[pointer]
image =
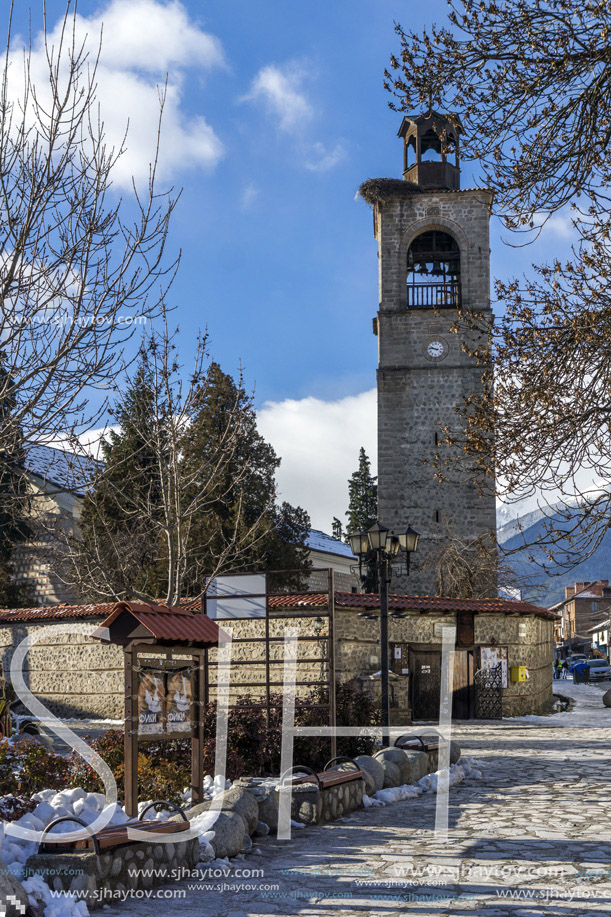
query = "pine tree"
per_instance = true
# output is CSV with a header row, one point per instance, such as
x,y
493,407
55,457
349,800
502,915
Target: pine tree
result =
x,y
115,536
363,512
246,492
14,503
363,496
187,490
285,548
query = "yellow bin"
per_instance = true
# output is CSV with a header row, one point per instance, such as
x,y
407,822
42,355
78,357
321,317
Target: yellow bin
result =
x,y
518,672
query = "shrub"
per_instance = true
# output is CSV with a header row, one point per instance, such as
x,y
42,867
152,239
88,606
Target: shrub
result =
x,y
13,807
164,768
109,747
40,768
8,780
28,766
353,708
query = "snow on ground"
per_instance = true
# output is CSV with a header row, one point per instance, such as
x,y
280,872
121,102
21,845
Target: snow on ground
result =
x,y
587,712
15,850
468,768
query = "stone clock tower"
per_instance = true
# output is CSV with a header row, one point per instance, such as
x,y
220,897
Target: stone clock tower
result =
x,y
434,255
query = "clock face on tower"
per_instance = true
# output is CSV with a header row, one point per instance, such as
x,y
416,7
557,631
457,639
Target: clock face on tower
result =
x,y
435,349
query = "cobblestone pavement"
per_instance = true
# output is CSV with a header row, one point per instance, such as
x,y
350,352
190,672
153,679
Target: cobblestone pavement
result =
x,y
533,837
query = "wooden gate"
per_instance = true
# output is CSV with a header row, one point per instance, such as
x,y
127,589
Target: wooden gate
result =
x,y
425,671
463,700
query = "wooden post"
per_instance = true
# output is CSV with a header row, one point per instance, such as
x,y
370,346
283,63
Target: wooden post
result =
x,y
197,734
268,699
131,733
331,654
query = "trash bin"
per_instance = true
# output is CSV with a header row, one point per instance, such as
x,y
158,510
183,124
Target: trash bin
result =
x,y
581,674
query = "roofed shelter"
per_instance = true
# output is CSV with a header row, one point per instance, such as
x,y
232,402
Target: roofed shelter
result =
x,y
166,683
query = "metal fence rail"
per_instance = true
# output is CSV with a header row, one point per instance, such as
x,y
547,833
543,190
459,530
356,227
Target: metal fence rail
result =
x,y
434,295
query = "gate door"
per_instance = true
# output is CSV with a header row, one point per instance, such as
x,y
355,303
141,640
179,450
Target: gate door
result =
x,y
462,698
489,693
426,680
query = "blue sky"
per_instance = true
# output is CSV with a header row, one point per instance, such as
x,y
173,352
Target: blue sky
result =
x,y
276,113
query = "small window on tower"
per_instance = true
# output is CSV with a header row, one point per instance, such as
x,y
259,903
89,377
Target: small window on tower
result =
x,y
437,516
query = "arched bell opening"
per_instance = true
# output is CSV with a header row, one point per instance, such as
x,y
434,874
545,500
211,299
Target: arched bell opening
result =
x,y
431,147
433,271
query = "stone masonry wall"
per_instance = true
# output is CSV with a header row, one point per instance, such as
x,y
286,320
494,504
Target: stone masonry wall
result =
x,y
529,642
72,674
36,560
101,880
75,675
418,396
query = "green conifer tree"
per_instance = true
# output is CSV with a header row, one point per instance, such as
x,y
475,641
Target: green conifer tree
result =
x,y
246,490
363,511
14,503
362,495
115,537
187,489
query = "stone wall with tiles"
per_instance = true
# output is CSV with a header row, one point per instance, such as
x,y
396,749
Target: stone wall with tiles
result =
x,y
75,675
530,642
528,639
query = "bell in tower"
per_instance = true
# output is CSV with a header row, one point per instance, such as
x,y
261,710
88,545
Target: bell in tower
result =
x,y
430,143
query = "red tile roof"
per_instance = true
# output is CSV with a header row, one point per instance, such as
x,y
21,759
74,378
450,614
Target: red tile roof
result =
x,y
176,624
54,612
422,603
411,603
441,603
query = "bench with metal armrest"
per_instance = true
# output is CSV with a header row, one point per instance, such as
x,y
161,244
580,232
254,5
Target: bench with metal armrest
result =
x,y
113,836
337,791
427,743
329,776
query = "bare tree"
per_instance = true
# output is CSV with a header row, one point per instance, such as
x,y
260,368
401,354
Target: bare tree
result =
x,y
141,527
530,82
473,569
80,268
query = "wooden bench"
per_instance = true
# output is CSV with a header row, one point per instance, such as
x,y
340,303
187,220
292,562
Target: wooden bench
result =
x,y
112,837
426,743
328,777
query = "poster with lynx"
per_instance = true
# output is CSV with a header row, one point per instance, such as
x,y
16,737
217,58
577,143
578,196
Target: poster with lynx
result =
x,y
151,702
178,701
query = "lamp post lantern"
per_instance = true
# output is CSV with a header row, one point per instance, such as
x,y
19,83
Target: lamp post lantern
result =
x,y
386,546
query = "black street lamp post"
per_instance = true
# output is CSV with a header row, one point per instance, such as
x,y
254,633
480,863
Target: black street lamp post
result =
x,y
386,546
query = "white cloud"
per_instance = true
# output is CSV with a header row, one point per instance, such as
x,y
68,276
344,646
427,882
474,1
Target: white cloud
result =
x,y
323,159
152,36
561,224
558,224
249,195
280,89
143,41
318,442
